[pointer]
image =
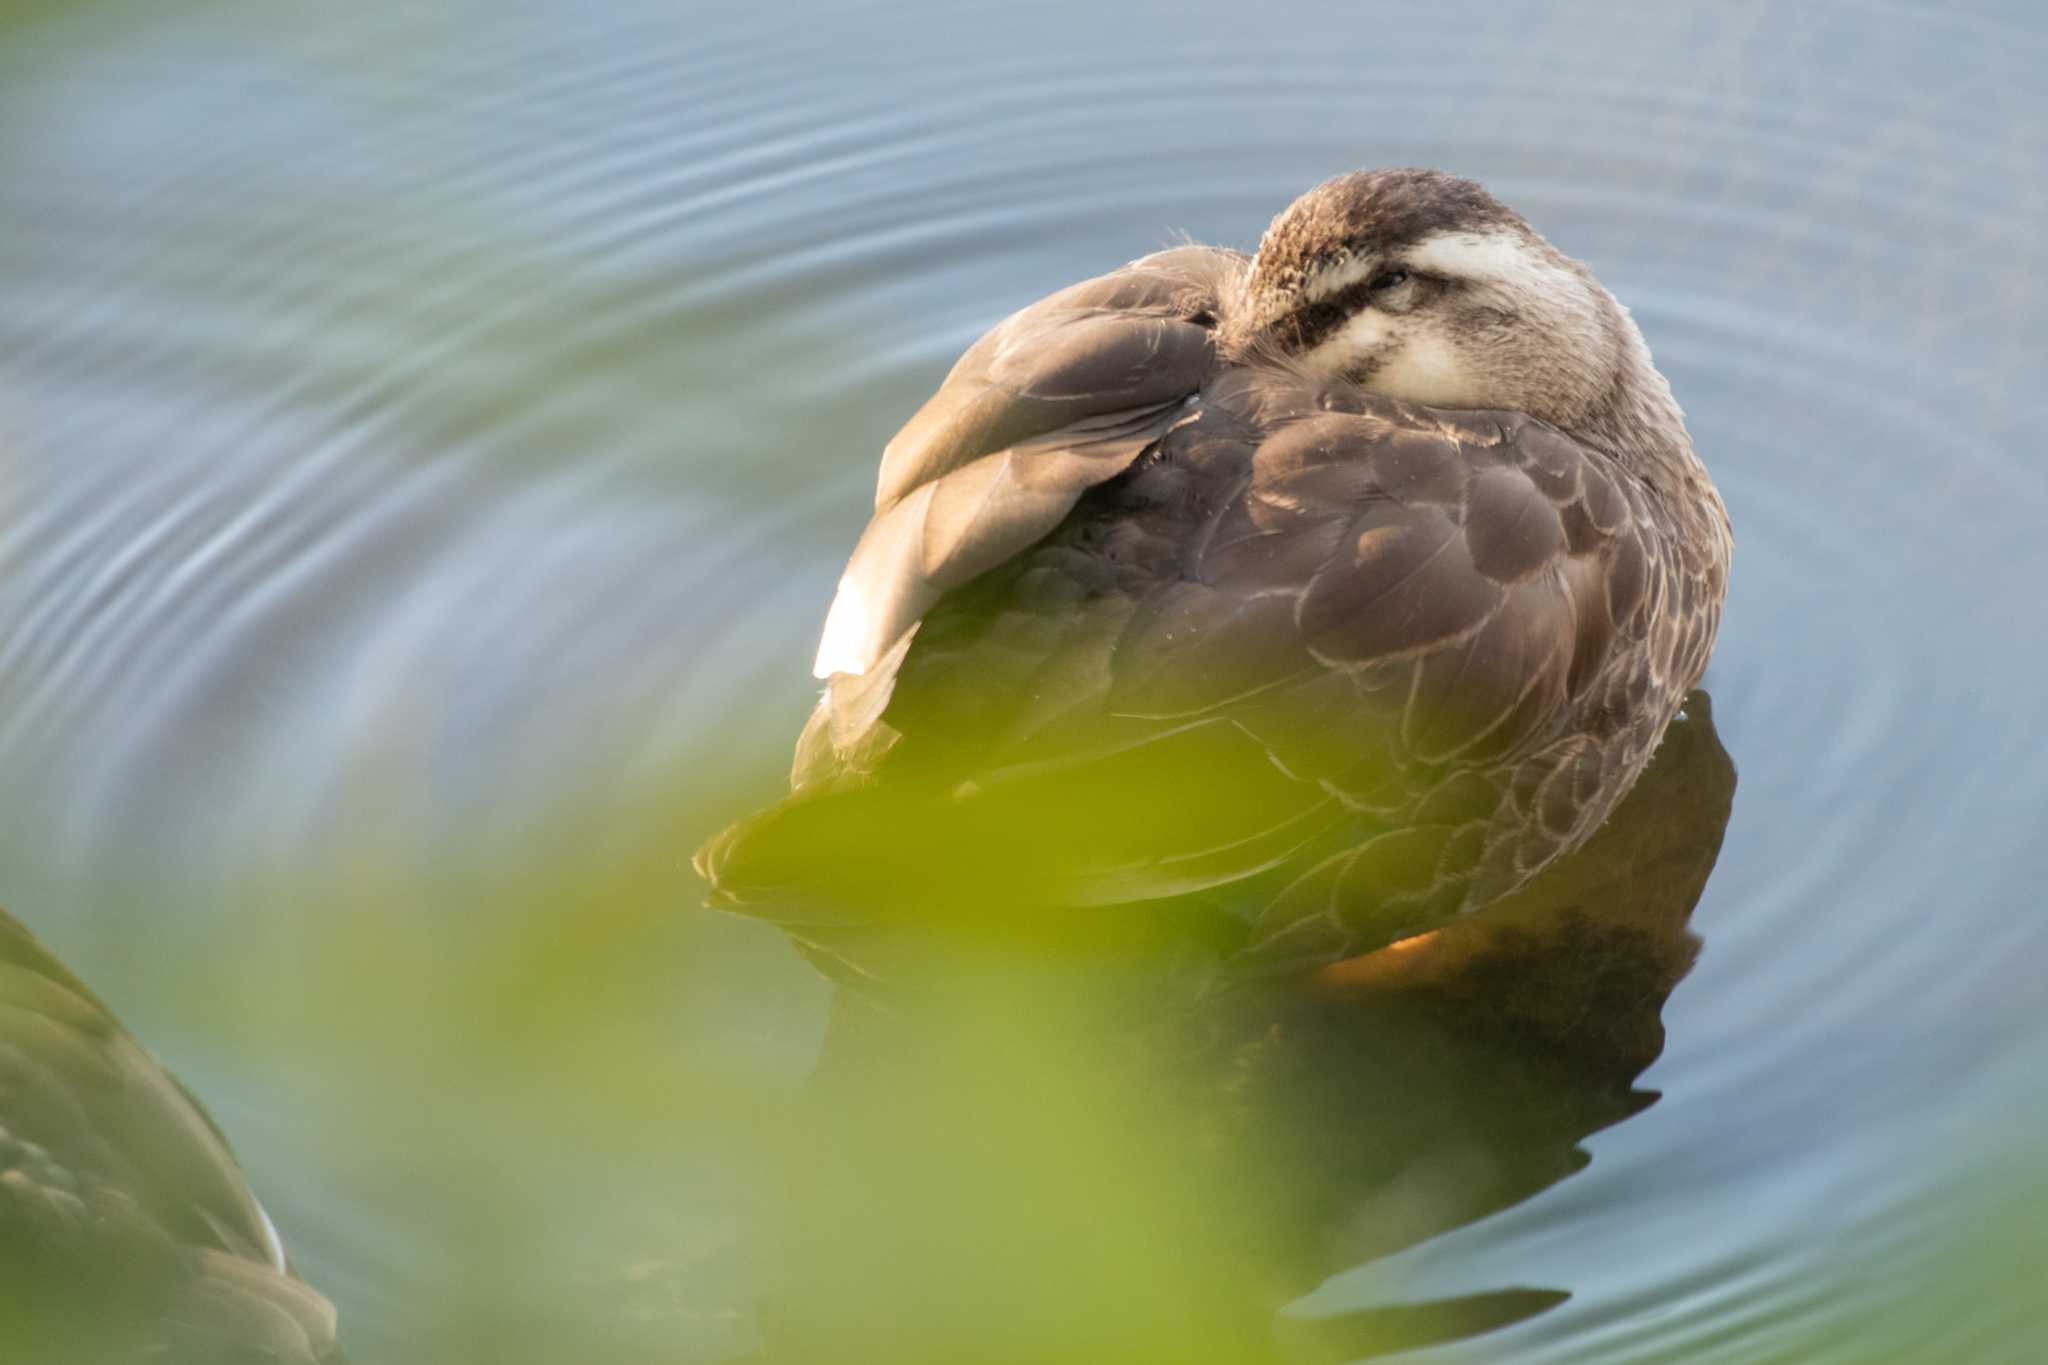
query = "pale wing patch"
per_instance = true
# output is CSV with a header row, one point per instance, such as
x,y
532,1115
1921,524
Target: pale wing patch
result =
x,y
843,647
882,590
274,1244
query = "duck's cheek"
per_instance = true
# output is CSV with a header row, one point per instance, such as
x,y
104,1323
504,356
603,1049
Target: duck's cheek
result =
x,y
1356,348
1424,367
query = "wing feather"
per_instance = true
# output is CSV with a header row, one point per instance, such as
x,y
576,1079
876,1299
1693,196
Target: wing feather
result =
x,y
1053,401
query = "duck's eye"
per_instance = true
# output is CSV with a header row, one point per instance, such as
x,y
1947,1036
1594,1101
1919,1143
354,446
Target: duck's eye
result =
x,y
1386,279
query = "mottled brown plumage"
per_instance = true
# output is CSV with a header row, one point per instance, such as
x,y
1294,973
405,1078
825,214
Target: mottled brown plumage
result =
x,y
127,1230
1169,593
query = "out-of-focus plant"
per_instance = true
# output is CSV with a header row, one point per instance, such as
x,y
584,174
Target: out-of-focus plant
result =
x,y
1043,1147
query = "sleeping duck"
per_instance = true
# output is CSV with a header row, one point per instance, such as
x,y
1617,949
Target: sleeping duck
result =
x,y
1327,594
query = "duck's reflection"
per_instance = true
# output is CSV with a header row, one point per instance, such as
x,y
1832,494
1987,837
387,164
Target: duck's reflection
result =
x,y
1024,1157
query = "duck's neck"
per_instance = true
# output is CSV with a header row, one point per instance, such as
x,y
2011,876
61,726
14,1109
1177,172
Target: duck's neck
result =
x,y
1638,424
1635,419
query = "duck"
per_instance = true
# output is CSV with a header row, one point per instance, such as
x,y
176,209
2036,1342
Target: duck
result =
x,y
128,1230
1328,594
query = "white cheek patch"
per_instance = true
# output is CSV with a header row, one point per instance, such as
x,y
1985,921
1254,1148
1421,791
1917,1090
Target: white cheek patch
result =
x,y
1414,361
1362,334
1426,369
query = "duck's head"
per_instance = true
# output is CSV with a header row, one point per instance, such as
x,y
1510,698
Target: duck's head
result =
x,y
1422,286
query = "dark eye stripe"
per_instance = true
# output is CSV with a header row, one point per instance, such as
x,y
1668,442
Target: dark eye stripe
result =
x,y
1311,324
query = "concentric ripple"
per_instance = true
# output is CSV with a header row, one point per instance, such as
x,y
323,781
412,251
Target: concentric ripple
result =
x,y
442,419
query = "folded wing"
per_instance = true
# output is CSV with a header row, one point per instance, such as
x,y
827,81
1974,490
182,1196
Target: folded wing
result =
x,y
1055,400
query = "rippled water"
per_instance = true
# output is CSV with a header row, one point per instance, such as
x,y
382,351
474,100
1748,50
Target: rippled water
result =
x,y
421,431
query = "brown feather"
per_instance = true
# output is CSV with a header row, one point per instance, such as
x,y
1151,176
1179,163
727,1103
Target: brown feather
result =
x,y
1149,618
